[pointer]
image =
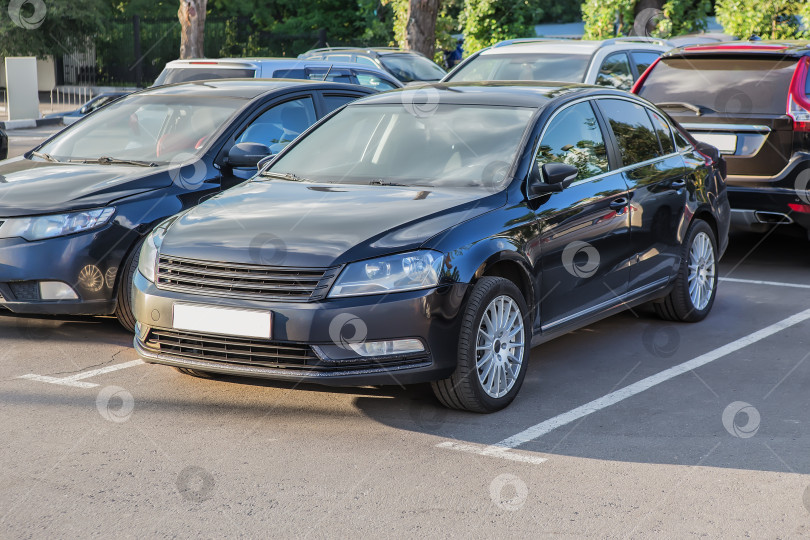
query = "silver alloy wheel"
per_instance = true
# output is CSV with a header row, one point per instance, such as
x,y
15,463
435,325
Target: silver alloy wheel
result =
x,y
499,347
701,271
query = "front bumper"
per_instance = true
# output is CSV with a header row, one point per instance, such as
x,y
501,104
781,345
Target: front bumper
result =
x,y
316,331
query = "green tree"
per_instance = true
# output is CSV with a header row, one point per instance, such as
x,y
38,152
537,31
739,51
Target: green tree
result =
x,y
613,18
768,19
486,22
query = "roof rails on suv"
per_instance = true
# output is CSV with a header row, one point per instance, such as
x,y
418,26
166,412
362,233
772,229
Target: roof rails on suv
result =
x,y
604,43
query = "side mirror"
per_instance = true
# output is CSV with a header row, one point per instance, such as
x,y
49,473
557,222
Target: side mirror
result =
x,y
84,110
247,155
552,178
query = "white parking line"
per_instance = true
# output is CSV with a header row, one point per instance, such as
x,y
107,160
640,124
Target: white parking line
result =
x,y
596,405
758,282
76,380
492,451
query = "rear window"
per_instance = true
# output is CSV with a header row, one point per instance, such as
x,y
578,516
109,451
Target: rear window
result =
x,y
524,67
723,85
178,75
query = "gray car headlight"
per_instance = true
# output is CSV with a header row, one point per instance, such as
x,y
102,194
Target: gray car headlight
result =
x,y
147,261
393,273
51,226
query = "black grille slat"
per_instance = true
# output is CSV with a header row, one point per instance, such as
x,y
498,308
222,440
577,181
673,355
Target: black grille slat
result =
x,y
244,280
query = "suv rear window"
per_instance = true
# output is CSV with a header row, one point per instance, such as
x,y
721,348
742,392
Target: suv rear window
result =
x,y
524,67
725,85
178,75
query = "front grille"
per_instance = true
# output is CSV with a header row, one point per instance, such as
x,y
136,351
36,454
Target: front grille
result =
x,y
256,352
25,291
244,280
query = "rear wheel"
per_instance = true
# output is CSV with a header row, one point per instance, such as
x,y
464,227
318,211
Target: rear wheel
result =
x,y
695,288
123,308
492,349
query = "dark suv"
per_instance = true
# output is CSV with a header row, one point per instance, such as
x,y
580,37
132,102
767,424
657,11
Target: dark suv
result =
x,y
750,100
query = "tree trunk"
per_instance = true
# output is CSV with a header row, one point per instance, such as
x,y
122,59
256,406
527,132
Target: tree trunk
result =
x,y
192,33
420,32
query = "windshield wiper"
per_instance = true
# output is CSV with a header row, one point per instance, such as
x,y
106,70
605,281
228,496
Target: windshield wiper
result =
x,y
284,176
45,156
105,160
697,109
384,183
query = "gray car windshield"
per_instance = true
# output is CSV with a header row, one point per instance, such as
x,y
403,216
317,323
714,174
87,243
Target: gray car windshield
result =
x,y
150,128
436,146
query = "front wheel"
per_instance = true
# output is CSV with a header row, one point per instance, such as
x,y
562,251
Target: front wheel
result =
x,y
492,349
123,308
695,288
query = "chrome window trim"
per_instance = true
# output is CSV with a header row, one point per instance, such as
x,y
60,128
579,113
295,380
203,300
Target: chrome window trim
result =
x,y
750,128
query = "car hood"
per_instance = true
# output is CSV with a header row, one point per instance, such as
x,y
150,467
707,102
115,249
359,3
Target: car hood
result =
x,y
282,223
42,187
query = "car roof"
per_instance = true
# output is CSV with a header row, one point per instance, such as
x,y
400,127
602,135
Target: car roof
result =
x,y
571,46
533,94
244,88
281,62
368,50
752,47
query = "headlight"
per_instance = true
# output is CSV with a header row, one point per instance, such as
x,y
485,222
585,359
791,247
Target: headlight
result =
x,y
42,227
394,273
147,261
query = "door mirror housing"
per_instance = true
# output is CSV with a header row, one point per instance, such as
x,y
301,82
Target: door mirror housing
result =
x,y
551,178
247,155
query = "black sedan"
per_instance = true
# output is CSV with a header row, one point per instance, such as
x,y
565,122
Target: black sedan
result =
x,y
436,234
75,209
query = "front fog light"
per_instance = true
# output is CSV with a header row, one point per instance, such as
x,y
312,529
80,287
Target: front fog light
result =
x,y
388,348
56,290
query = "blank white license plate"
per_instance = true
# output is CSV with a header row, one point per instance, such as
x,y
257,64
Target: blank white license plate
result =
x,y
229,322
727,144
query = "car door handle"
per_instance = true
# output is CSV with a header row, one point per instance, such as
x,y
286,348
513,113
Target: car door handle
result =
x,y
618,204
678,184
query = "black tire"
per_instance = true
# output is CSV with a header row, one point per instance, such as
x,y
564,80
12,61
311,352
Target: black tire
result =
x,y
195,373
123,307
678,305
463,390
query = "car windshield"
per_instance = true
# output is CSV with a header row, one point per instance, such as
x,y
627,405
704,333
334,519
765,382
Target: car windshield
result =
x,y
178,75
151,128
443,146
411,67
524,67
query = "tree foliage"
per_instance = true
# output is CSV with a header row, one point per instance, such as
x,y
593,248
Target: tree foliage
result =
x,y
614,18
768,19
486,22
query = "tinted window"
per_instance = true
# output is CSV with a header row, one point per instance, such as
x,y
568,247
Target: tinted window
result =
x,y
365,60
335,101
177,75
279,125
524,67
574,137
290,74
633,130
664,132
615,72
412,67
644,60
726,85
372,81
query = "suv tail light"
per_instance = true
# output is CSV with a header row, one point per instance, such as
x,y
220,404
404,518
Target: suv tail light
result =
x,y
643,77
798,106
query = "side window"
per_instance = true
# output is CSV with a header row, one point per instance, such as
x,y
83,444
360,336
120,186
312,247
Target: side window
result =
x,y
664,132
680,141
279,125
633,130
339,57
615,72
289,74
574,137
372,81
643,60
335,101
365,60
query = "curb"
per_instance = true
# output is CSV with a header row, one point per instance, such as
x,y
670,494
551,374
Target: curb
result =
x,y
28,124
